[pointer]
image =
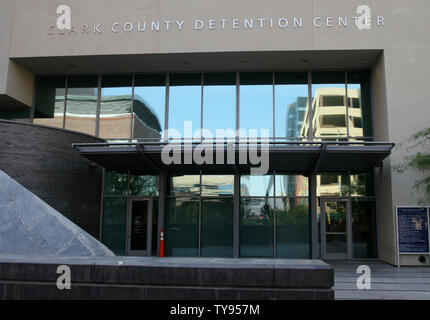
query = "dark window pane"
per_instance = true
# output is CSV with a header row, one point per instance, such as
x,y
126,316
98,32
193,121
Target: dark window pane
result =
x,y
115,107
155,235
293,228
363,229
360,107
16,115
291,186
115,183
49,101
182,227
187,185
143,185
217,227
149,106
256,227
114,224
256,185
217,185
363,184
81,106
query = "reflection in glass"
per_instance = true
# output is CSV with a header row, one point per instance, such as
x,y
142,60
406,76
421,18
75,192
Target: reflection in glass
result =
x,y
291,186
81,106
362,185
335,227
256,227
186,185
115,184
256,185
292,225
363,228
149,106
329,105
182,227
219,103
291,104
359,111
217,228
49,102
143,185
332,185
185,103
217,185
115,107
114,224
256,103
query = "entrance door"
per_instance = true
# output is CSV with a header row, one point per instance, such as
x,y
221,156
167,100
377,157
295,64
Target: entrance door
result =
x,y
138,232
336,229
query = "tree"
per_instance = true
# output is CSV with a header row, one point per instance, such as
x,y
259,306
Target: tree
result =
x,y
419,161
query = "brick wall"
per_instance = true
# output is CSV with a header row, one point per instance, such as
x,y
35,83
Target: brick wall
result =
x,y
42,160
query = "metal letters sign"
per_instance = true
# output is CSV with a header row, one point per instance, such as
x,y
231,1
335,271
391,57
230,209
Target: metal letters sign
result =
x,y
413,229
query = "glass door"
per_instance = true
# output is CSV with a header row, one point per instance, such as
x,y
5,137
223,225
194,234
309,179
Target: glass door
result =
x,y
336,229
138,233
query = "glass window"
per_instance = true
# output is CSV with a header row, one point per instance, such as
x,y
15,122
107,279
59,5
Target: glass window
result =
x,y
186,185
363,228
115,107
256,185
49,101
114,224
149,106
256,227
219,104
291,186
292,228
15,114
185,103
333,185
291,104
143,185
81,109
256,103
182,227
329,104
115,184
362,185
217,228
360,110
217,185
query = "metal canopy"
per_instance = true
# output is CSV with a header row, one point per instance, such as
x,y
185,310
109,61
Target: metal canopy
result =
x,y
288,157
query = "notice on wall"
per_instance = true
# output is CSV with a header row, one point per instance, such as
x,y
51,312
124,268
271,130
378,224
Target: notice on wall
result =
x,y
413,233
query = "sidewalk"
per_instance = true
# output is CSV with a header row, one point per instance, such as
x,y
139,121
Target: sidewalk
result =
x,y
387,282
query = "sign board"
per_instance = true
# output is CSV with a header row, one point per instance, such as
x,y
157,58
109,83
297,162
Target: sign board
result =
x,y
412,231
412,228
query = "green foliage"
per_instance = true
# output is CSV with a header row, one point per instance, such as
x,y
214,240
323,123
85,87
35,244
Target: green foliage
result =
x,y
419,161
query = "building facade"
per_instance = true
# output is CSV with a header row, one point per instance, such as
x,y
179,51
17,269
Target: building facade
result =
x,y
323,89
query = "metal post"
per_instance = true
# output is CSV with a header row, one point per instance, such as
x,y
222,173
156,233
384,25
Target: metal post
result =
x,y
236,216
162,187
314,217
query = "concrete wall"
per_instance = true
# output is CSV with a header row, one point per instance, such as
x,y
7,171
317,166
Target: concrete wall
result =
x,y
15,81
42,160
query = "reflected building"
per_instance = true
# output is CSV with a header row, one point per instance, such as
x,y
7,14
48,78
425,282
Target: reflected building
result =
x,y
115,120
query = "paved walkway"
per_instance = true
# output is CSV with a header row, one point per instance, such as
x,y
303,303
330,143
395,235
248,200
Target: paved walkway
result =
x,y
387,282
